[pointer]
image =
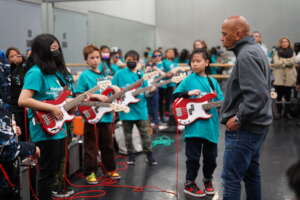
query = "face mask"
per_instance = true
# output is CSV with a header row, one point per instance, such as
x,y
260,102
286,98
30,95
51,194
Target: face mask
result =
x,y
105,56
131,65
55,53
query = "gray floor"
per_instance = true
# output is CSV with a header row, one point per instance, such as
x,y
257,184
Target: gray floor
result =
x,y
280,150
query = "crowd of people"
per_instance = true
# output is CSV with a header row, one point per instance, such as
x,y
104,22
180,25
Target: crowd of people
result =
x,y
27,81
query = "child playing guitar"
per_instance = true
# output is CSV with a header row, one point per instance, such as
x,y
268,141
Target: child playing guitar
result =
x,y
201,136
45,79
101,133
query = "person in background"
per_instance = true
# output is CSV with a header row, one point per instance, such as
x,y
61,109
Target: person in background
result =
x,y
169,64
293,176
285,74
184,57
153,100
116,58
199,44
108,68
258,38
147,55
213,59
10,148
17,67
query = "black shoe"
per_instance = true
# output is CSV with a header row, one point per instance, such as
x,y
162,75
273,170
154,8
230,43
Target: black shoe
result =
x,y
150,160
62,193
131,159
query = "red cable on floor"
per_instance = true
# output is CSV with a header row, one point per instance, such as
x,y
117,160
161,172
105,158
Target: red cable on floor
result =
x,y
6,177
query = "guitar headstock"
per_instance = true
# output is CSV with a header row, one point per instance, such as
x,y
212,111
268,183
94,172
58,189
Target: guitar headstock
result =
x,y
178,78
120,108
104,84
149,75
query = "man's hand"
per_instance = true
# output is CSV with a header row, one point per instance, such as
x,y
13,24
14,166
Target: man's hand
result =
x,y
232,124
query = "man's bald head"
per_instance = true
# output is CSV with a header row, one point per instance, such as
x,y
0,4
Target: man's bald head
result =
x,y
234,29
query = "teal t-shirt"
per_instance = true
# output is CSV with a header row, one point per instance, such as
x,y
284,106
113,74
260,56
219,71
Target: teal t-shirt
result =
x,y
138,111
45,87
88,79
161,66
213,59
169,65
108,71
209,128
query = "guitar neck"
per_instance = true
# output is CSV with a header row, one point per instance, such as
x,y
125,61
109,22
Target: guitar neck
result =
x,y
94,103
142,90
212,105
119,94
77,100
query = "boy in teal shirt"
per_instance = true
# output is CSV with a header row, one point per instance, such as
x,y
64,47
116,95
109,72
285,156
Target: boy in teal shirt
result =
x,y
99,136
201,136
138,112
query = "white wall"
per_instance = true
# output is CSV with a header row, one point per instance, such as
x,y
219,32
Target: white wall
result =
x,y
180,22
137,10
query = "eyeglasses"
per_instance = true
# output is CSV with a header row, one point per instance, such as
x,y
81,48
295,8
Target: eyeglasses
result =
x,y
155,56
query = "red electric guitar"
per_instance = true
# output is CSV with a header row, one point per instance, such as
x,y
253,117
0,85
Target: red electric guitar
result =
x,y
186,111
49,123
93,114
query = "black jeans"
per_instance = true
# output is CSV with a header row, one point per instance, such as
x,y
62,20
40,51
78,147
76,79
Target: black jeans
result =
x,y
52,154
193,149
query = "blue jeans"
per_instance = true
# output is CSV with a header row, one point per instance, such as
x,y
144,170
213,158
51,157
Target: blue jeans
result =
x,y
241,163
153,107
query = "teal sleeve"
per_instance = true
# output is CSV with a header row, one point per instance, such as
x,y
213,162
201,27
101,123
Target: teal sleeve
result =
x,y
33,80
219,91
181,87
81,84
166,66
115,81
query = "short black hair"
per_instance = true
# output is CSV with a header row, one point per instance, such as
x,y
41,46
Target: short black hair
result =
x,y
293,175
132,53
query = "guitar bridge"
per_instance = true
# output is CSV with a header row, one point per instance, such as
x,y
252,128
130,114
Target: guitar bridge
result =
x,y
179,112
46,120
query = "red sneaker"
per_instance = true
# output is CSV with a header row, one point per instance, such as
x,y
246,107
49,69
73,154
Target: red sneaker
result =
x,y
192,189
209,188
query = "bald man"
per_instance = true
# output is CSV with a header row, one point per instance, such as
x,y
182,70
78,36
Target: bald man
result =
x,y
246,111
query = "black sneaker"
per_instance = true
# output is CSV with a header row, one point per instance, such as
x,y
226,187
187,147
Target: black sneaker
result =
x,y
131,159
62,193
209,188
150,160
191,189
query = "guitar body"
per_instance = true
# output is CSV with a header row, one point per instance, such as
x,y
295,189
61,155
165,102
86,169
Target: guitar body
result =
x,y
93,114
186,111
47,121
128,98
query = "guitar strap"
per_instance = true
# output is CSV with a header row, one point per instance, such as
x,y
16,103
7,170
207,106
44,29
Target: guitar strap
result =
x,y
211,84
60,81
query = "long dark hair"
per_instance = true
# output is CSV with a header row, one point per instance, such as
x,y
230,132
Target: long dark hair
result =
x,y
43,58
184,56
204,54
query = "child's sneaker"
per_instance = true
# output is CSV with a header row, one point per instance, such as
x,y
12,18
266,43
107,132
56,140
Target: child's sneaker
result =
x,y
113,175
62,193
150,160
209,188
192,190
131,159
91,179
